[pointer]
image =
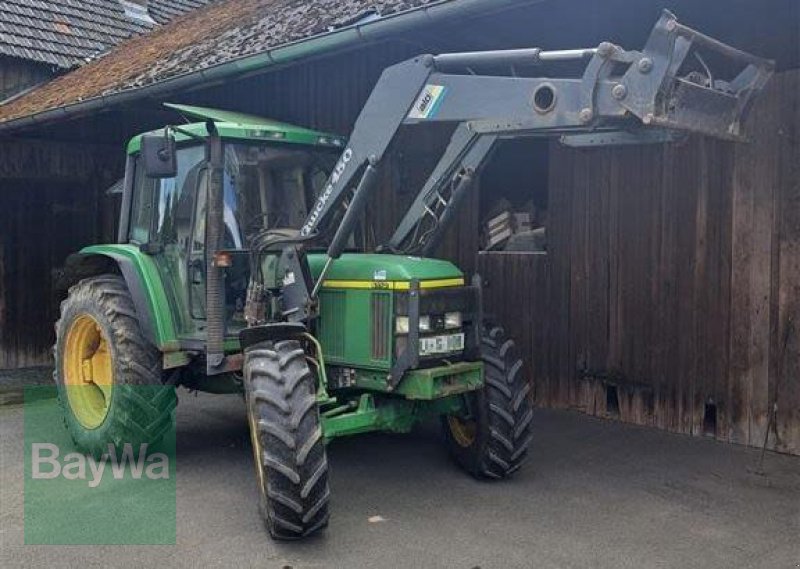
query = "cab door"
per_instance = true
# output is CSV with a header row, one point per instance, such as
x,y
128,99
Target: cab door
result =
x,y
235,277
161,222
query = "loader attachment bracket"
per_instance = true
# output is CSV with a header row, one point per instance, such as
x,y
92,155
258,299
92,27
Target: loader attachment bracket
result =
x,y
686,80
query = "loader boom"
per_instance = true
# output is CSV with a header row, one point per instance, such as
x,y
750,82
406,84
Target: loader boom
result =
x,y
627,96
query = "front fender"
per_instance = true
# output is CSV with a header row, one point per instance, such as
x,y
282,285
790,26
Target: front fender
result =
x,y
272,332
144,283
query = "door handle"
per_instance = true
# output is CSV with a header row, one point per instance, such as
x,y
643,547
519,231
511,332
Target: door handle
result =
x,y
196,268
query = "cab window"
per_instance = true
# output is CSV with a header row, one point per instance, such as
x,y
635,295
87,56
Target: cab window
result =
x,y
162,208
142,206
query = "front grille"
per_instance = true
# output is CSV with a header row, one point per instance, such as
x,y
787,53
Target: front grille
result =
x,y
333,315
380,331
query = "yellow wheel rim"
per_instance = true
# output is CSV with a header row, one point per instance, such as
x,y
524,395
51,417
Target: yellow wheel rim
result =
x,y
88,371
463,430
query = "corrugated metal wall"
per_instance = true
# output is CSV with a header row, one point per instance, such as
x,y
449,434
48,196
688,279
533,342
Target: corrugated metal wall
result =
x,y
670,295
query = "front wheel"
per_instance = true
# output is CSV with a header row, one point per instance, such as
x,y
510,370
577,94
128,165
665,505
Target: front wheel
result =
x,y
491,440
288,447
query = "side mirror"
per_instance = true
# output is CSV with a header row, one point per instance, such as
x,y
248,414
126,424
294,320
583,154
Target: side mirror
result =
x,y
158,156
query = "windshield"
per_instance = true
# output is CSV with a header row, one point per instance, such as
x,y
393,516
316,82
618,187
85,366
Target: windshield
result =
x,y
270,187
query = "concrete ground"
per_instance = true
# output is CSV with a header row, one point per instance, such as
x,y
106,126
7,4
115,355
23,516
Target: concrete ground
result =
x,y
13,382
596,494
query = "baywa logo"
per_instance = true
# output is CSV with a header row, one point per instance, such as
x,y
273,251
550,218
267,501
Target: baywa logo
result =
x,y
124,496
48,464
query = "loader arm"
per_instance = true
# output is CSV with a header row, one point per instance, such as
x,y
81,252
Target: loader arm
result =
x,y
667,87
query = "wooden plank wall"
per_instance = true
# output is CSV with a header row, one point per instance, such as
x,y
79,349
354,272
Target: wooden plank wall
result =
x,y
670,295
52,203
17,75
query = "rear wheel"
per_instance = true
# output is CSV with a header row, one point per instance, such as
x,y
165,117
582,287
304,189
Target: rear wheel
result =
x,y
108,375
288,447
491,440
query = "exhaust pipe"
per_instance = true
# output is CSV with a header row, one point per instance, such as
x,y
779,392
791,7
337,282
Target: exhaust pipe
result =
x,y
215,293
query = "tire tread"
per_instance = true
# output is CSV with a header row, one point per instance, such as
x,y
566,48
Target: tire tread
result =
x,y
502,409
282,389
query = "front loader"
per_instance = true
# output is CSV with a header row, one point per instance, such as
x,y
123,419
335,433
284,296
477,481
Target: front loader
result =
x,y
238,269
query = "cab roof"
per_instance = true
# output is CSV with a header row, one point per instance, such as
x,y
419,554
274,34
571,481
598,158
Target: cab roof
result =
x,y
241,126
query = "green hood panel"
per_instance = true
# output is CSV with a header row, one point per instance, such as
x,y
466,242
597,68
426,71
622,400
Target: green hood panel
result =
x,y
375,267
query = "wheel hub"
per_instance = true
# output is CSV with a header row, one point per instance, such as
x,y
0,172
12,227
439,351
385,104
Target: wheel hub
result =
x,y
464,431
88,371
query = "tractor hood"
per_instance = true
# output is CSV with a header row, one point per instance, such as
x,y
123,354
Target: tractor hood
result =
x,y
362,270
240,126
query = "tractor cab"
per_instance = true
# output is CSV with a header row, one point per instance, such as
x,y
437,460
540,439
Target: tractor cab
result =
x,y
272,173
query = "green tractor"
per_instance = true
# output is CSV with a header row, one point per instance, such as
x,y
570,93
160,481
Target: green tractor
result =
x,y
238,266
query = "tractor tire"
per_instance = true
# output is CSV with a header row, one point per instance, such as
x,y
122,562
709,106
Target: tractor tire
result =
x,y
288,446
108,376
492,442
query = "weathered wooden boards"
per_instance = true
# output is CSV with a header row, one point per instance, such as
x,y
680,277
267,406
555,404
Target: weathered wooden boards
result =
x,y
52,203
784,368
670,295
34,159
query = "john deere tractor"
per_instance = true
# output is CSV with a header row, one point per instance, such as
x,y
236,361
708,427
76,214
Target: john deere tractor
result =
x,y
239,265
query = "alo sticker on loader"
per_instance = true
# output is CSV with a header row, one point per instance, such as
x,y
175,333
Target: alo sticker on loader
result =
x,y
428,102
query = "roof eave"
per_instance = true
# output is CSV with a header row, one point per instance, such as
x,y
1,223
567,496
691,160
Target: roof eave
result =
x,y
280,55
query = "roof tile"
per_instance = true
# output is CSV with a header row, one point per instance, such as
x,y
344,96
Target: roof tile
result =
x,y
220,32
66,33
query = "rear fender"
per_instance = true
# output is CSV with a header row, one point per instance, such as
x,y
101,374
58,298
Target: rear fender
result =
x,y
143,281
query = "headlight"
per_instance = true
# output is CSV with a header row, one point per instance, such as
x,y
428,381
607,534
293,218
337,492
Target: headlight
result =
x,y
401,324
452,320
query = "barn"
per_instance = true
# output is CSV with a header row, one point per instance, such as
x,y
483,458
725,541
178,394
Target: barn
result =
x,y
666,291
